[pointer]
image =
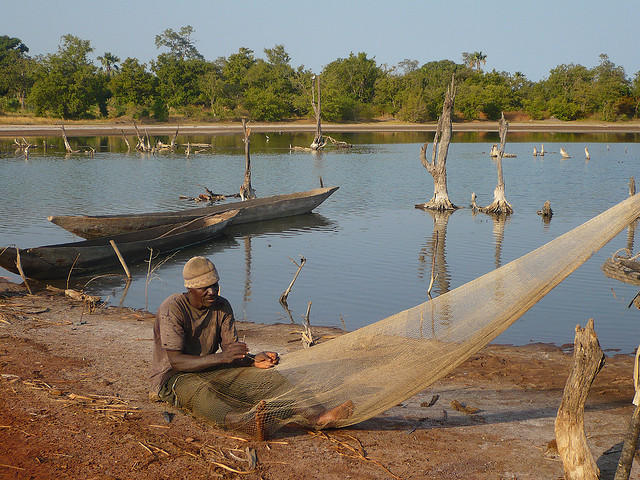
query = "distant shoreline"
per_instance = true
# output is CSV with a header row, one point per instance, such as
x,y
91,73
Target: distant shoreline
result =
x,y
116,129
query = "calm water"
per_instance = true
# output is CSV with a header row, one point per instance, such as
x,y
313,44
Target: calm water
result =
x,y
369,251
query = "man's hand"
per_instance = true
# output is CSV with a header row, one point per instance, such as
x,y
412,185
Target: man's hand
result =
x,y
266,360
234,351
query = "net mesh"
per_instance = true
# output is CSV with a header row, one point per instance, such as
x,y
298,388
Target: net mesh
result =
x,y
372,369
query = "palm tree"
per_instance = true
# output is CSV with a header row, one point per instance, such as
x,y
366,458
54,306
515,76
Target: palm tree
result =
x,y
477,58
473,60
109,62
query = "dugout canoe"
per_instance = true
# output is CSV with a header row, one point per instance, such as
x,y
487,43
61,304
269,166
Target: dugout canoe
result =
x,y
89,256
255,210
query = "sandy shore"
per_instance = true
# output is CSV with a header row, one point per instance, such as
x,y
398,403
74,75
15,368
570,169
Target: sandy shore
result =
x,y
74,404
75,129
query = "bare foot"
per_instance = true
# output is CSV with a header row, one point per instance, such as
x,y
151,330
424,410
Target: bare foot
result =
x,y
261,413
331,416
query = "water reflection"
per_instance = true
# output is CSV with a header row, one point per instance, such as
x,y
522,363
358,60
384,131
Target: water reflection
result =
x,y
631,232
246,297
499,222
289,225
435,249
370,253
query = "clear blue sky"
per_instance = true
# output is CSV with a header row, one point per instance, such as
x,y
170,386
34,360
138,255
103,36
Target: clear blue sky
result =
x,y
527,36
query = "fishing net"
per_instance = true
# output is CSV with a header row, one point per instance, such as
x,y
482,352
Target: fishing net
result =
x,y
372,369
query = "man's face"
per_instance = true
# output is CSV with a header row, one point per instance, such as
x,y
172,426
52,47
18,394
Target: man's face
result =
x,y
204,297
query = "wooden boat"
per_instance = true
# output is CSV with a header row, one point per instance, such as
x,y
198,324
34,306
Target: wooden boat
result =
x,y
88,256
258,209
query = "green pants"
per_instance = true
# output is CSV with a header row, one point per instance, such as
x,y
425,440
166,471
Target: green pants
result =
x,y
214,394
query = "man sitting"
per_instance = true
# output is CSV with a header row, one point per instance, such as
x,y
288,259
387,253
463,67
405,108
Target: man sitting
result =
x,y
199,364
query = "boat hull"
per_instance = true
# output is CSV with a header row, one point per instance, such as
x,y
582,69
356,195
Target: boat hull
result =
x,y
90,256
255,210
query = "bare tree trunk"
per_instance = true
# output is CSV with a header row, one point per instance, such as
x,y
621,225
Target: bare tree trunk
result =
x,y
175,136
437,167
126,140
141,147
500,206
318,140
588,360
66,141
246,191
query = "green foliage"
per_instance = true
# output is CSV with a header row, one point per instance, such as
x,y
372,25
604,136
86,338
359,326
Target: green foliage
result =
x,y
349,87
9,104
16,71
264,104
179,80
180,44
422,93
160,109
564,109
134,90
67,84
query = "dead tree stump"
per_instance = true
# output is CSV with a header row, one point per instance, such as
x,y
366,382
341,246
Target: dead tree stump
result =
x,y
318,141
437,167
588,360
546,211
246,190
500,206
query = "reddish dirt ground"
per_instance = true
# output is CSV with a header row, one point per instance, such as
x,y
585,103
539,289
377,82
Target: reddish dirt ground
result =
x,y
74,404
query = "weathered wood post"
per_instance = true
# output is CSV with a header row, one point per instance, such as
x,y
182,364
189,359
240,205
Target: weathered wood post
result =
x,y
588,360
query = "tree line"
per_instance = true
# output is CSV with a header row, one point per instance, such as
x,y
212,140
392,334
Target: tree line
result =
x,y
180,81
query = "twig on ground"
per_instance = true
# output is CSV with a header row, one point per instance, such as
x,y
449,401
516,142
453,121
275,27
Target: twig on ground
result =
x,y
357,452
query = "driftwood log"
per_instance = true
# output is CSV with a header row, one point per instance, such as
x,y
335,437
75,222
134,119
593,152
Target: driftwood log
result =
x,y
437,167
588,360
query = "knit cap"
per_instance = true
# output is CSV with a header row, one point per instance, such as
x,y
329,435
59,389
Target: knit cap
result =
x,y
199,272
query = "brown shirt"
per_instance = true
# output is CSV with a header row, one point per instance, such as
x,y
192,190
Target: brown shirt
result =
x,y
181,327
